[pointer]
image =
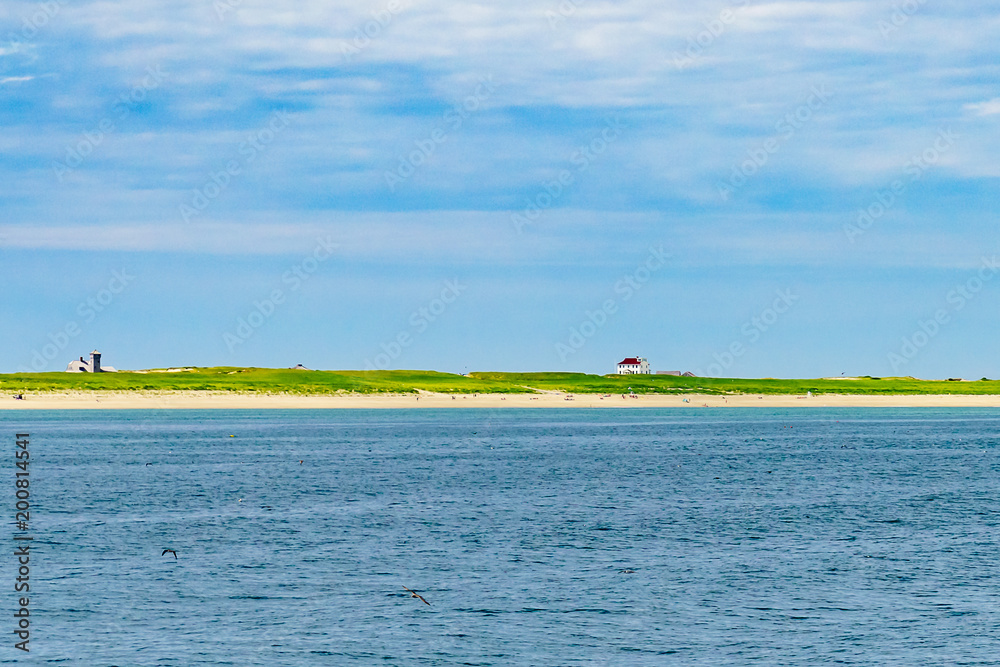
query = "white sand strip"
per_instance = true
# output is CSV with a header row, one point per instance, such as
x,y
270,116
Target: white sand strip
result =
x,y
220,400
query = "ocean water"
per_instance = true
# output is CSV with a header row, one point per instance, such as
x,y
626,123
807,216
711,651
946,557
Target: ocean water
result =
x,y
539,537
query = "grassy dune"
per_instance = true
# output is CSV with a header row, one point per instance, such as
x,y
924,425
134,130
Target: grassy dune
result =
x,y
269,380
254,380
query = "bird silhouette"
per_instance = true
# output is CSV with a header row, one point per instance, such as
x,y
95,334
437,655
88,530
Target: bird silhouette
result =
x,y
414,594
169,551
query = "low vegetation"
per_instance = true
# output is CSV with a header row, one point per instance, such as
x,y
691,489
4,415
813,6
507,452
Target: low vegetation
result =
x,y
667,384
284,381
253,380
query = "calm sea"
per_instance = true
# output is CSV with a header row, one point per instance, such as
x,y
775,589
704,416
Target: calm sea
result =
x,y
539,537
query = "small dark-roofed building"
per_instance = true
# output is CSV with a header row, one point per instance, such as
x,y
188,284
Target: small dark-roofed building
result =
x,y
92,366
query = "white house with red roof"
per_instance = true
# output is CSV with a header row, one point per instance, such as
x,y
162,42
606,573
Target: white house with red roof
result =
x,y
633,366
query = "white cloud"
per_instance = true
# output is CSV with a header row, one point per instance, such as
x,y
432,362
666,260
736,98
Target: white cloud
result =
x,y
775,14
564,237
687,130
15,79
987,108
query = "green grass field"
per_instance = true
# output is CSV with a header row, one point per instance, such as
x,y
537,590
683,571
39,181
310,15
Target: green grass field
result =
x,y
284,381
665,384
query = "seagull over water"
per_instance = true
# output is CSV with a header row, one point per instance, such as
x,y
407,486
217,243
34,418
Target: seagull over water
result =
x,y
414,594
169,551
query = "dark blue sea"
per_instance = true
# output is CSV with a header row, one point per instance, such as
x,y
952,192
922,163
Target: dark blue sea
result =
x,y
539,537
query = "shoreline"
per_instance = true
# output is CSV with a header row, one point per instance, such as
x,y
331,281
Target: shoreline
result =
x,y
199,400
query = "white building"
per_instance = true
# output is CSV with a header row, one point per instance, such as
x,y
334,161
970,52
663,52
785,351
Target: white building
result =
x,y
633,366
92,366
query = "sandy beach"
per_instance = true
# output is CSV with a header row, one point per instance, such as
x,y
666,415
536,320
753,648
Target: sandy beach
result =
x,y
231,401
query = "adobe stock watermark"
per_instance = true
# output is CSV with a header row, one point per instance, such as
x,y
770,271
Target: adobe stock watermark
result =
x,y
420,320
87,311
264,309
22,540
887,197
957,299
582,158
453,118
757,158
751,332
123,106
218,182
32,24
902,12
223,7
564,10
365,34
713,29
626,287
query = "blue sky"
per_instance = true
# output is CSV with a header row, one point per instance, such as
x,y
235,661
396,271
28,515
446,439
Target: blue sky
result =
x,y
785,189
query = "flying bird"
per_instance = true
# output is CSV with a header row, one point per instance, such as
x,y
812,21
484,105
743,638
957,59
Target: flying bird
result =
x,y
169,551
414,594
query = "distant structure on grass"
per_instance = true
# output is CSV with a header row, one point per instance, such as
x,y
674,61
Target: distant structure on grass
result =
x,y
685,374
92,366
633,366
298,367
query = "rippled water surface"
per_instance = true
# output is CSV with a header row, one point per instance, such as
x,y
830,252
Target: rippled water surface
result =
x,y
539,537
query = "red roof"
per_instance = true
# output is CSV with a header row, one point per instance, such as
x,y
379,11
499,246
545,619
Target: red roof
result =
x,y
630,360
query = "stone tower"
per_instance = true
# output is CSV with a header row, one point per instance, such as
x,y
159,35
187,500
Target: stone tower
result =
x,y
95,362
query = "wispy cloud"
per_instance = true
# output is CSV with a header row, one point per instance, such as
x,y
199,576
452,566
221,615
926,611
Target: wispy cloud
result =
x,y
15,79
987,108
